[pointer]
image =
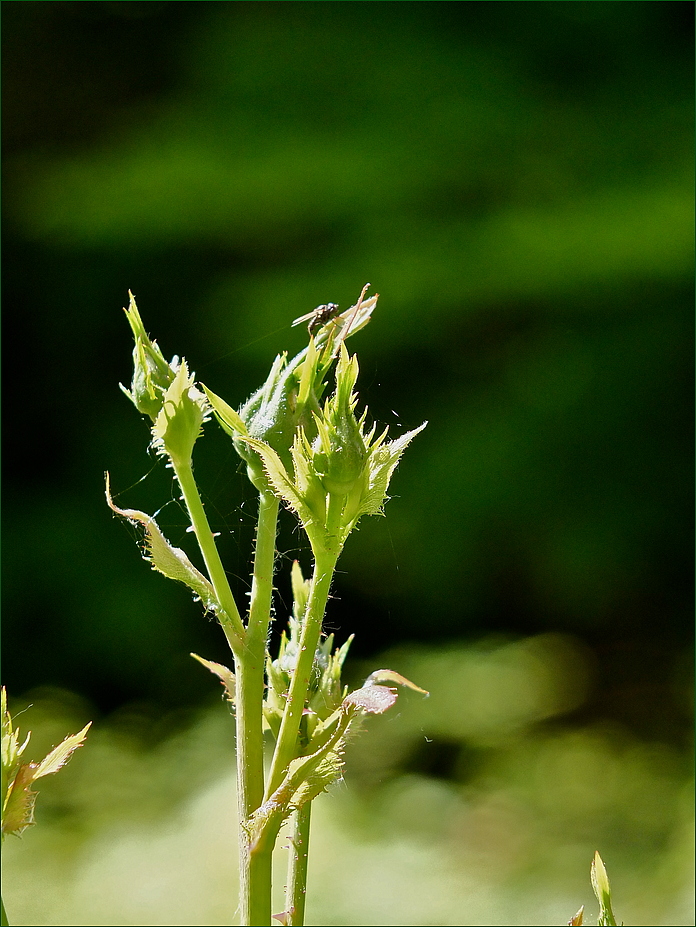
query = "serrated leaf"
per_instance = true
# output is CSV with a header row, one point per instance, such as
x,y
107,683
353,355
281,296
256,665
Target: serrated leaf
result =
x,y
278,477
60,755
19,799
306,776
11,749
171,561
321,777
373,699
382,463
225,675
18,812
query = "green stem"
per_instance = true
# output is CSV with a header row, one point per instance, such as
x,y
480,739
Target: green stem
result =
x,y
255,874
4,922
326,546
229,618
249,649
262,585
296,891
255,865
286,747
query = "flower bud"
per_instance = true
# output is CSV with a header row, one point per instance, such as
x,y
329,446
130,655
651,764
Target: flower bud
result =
x,y
288,403
152,375
342,475
339,449
270,415
179,422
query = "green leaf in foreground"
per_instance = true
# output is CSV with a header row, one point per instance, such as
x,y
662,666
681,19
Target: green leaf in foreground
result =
x,y
602,889
18,797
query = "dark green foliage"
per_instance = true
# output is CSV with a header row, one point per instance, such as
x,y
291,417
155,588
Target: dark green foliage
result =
x,y
515,179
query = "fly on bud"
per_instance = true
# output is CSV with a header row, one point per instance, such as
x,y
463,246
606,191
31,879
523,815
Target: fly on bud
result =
x,y
318,317
289,400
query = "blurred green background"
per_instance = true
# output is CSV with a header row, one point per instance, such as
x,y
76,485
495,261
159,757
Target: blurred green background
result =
x,y
516,181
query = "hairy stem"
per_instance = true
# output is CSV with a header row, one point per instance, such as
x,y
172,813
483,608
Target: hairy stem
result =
x,y
229,618
255,865
286,747
296,891
262,585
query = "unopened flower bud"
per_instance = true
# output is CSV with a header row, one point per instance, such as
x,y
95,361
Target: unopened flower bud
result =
x,y
340,454
270,416
179,422
152,375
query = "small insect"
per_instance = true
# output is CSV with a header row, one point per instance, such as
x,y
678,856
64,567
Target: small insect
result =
x,y
318,317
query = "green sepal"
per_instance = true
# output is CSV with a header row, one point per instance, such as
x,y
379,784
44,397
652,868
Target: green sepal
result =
x,y
229,419
339,449
180,420
279,479
383,458
152,375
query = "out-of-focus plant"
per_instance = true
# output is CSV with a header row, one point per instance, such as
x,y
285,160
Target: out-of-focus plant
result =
x,y
319,458
602,890
18,797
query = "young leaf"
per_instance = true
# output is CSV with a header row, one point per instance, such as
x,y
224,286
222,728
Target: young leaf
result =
x,y
373,699
602,889
20,799
387,675
18,812
60,755
225,675
165,558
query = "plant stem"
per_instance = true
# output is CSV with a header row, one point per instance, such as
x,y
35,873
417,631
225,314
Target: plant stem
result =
x,y
249,649
255,865
286,747
4,921
255,873
229,618
296,891
262,584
